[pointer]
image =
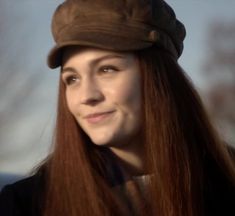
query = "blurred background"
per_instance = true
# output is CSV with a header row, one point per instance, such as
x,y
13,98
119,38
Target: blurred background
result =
x,y
28,89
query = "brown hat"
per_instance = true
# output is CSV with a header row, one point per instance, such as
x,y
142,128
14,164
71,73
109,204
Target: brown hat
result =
x,y
118,25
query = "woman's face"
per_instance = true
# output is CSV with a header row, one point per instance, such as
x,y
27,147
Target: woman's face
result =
x,y
103,91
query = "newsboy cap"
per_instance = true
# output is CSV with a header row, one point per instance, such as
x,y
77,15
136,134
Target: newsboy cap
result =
x,y
118,25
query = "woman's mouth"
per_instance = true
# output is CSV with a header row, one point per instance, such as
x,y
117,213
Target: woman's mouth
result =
x,y
98,117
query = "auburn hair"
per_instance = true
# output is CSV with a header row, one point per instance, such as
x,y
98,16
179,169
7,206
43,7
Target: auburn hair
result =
x,y
180,143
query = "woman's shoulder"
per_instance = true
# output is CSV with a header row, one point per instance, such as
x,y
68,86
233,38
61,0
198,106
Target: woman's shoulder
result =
x,y
22,188
220,200
22,197
219,189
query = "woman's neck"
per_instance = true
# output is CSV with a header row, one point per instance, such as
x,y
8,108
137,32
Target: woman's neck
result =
x,y
130,158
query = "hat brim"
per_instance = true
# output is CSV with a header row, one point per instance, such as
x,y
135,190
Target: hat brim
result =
x,y
98,40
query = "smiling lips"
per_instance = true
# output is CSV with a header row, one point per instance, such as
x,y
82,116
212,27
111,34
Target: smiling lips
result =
x,y
97,117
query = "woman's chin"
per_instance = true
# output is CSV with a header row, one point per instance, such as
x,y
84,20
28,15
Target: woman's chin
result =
x,y
104,141
100,141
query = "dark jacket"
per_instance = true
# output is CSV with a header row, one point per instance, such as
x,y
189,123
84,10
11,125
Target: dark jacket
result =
x,y
24,198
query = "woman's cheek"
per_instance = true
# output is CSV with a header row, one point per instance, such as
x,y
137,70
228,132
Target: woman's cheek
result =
x,y
124,89
72,103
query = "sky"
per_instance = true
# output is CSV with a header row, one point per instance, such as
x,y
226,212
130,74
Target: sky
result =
x,y
27,115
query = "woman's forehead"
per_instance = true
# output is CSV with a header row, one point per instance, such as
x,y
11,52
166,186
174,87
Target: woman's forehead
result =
x,y
90,53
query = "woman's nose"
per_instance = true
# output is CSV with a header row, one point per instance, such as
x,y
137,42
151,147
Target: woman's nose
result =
x,y
90,92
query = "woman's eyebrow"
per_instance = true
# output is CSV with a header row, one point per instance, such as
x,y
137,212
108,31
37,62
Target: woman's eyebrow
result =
x,y
106,57
68,69
94,62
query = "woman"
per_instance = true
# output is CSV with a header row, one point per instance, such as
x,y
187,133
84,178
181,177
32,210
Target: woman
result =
x,y
132,137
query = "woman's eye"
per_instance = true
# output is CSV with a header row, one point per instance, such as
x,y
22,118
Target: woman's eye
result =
x,y
108,69
69,80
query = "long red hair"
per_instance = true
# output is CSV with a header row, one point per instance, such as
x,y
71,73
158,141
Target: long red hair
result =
x,y
180,144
